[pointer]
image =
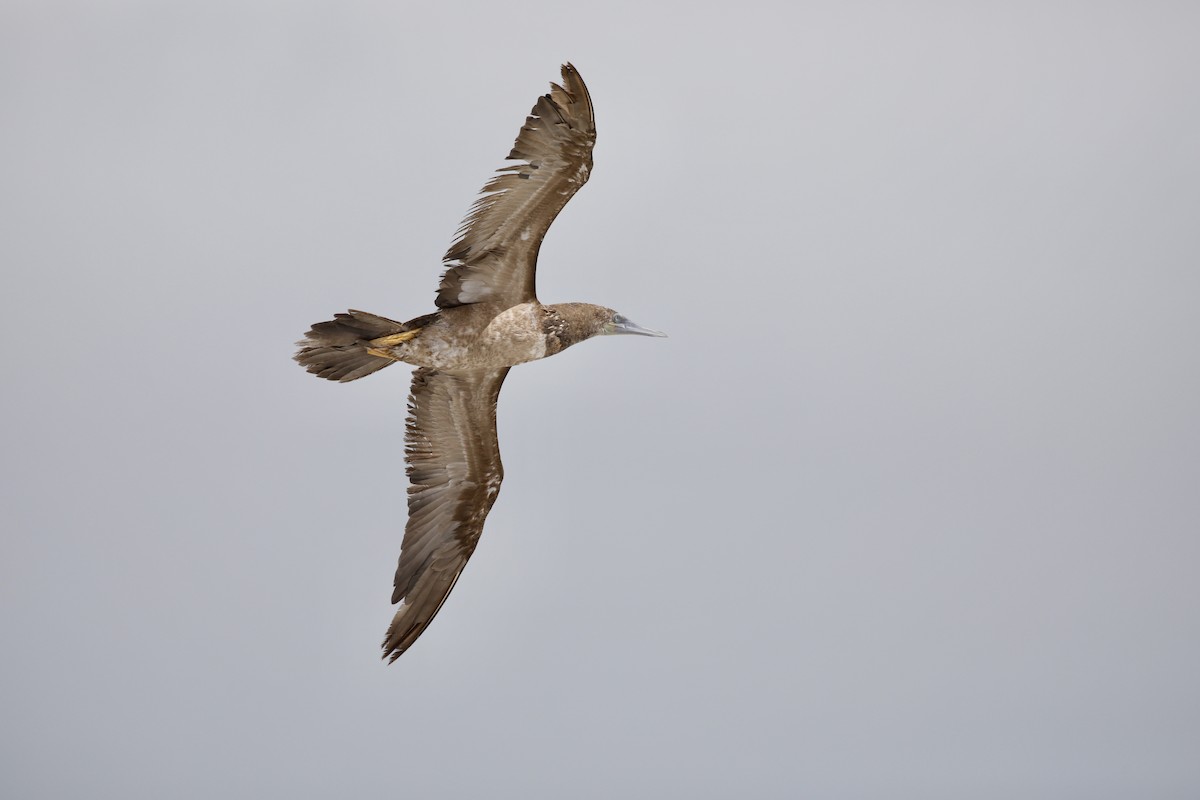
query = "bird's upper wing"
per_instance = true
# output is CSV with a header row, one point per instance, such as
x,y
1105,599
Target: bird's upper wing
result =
x,y
454,472
494,255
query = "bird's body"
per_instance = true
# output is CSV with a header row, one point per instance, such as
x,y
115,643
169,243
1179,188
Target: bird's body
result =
x,y
480,336
488,320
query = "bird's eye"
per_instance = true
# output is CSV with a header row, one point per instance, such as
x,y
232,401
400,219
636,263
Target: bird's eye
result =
x,y
617,319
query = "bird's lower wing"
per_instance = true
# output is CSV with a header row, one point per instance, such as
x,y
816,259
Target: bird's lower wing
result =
x,y
454,472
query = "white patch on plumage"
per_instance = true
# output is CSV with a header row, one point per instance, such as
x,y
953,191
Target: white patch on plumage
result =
x,y
473,290
443,354
518,325
493,486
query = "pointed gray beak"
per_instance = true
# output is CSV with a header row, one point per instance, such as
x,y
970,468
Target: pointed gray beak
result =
x,y
622,325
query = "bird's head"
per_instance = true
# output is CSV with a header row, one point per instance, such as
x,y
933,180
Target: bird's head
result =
x,y
568,323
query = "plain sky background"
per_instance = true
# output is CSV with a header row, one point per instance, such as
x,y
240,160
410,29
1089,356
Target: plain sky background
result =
x,y
908,506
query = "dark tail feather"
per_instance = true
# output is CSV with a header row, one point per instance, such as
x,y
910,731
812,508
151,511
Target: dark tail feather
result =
x,y
337,350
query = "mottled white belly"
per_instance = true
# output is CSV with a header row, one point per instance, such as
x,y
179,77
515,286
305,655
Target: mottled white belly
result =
x,y
469,339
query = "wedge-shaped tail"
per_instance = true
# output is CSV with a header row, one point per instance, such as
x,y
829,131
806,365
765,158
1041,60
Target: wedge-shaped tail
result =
x,y
339,350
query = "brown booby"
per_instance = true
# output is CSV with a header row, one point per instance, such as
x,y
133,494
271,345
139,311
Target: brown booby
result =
x,y
488,320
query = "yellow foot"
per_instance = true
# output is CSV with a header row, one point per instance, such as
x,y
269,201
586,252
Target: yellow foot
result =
x,y
395,338
381,344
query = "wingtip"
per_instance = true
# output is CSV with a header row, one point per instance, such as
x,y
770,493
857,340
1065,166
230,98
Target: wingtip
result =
x,y
393,646
573,95
570,75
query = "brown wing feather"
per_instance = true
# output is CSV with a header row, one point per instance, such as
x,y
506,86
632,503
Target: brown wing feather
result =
x,y
494,255
454,473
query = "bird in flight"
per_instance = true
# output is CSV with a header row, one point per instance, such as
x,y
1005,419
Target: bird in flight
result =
x,y
488,320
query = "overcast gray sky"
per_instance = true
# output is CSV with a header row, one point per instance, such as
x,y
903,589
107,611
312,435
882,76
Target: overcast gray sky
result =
x,y
906,507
